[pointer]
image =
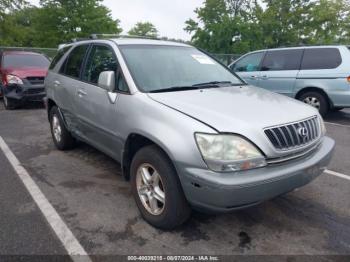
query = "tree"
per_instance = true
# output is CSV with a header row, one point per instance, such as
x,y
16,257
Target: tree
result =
x,y
144,29
17,27
10,5
60,21
238,26
6,23
224,26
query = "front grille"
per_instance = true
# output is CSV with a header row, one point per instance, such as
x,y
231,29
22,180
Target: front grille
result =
x,y
289,136
33,91
36,80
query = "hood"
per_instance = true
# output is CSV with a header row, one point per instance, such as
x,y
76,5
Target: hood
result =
x,y
242,110
26,72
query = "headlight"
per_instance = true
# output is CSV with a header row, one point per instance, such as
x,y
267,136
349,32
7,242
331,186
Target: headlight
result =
x,y
14,80
323,126
227,153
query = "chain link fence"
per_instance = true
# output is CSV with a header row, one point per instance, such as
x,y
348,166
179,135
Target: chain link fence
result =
x,y
49,52
226,58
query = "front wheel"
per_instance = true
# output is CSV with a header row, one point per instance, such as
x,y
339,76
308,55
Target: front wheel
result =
x,y
317,100
8,103
157,189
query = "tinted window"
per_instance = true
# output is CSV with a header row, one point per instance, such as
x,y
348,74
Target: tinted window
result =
x,y
282,60
59,55
74,61
321,58
101,59
25,60
156,67
248,63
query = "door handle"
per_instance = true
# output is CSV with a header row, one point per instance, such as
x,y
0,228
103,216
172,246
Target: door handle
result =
x,y
264,77
57,83
253,77
81,93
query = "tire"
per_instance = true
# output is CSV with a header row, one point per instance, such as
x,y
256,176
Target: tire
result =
x,y
316,100
174,210
62,138
8,103
336,109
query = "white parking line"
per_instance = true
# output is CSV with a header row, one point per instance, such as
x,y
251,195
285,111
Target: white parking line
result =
x,y
333,173
71,244
335,124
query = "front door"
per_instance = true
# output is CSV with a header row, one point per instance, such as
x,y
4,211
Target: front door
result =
x,y
96,110
248,67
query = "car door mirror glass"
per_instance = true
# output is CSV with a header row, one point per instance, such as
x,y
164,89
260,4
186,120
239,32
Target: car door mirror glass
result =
x,y
106,80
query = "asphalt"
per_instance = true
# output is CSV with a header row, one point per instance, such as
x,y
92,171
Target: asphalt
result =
x,y
23,230
88,191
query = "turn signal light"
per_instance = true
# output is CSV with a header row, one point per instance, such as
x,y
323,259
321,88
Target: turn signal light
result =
x,y
348,78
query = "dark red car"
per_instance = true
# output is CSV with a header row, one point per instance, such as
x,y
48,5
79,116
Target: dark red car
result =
x,y
22,76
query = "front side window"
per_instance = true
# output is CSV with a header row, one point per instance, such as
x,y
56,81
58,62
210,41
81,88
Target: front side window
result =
x,y
249,63
72,65
25,60
156,67
101,59
321,58
282,60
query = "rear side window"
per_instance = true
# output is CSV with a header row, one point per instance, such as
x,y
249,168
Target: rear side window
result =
x,y
58,57
248,63
73,63
282,60
321,58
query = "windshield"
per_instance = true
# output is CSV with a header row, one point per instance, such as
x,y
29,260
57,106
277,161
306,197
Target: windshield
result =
x,y
162,67
27,60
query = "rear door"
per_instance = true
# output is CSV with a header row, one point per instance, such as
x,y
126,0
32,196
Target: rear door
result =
x,y
97,112
66,83
279,70
248,67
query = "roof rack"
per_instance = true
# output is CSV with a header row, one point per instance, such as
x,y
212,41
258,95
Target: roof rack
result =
x,y
101,36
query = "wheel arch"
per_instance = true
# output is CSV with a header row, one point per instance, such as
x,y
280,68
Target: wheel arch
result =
x,y
50,104
133,144
314,89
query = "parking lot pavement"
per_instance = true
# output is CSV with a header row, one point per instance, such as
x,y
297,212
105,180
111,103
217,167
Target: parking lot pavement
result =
x,y
23,230
88,191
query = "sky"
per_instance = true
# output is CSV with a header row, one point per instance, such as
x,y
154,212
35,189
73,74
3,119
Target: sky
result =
x,y
168,16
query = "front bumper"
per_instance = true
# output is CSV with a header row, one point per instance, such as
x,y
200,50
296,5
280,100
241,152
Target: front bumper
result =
x,y
25,93
224,192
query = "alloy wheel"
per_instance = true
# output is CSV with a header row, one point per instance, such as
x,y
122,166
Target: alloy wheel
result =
x,y
56,128
312,101
150,189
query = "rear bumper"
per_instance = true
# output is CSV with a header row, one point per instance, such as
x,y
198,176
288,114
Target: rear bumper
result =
x,y
218,192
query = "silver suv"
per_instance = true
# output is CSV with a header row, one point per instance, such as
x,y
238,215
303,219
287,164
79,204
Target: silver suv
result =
x,y
187,131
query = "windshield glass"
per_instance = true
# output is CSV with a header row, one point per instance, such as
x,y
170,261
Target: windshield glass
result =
x,y
27,60
161,67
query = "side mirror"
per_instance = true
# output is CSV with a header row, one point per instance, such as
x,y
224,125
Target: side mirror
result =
x,y
106,80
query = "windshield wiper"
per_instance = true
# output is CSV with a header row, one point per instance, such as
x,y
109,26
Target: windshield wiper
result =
x,y
174,89
213,84
217,84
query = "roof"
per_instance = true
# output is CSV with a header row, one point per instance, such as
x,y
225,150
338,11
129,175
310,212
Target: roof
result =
x,y
141,41
300,47
126,41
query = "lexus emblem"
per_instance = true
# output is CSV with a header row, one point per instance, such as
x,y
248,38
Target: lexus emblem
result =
x,y
303,132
